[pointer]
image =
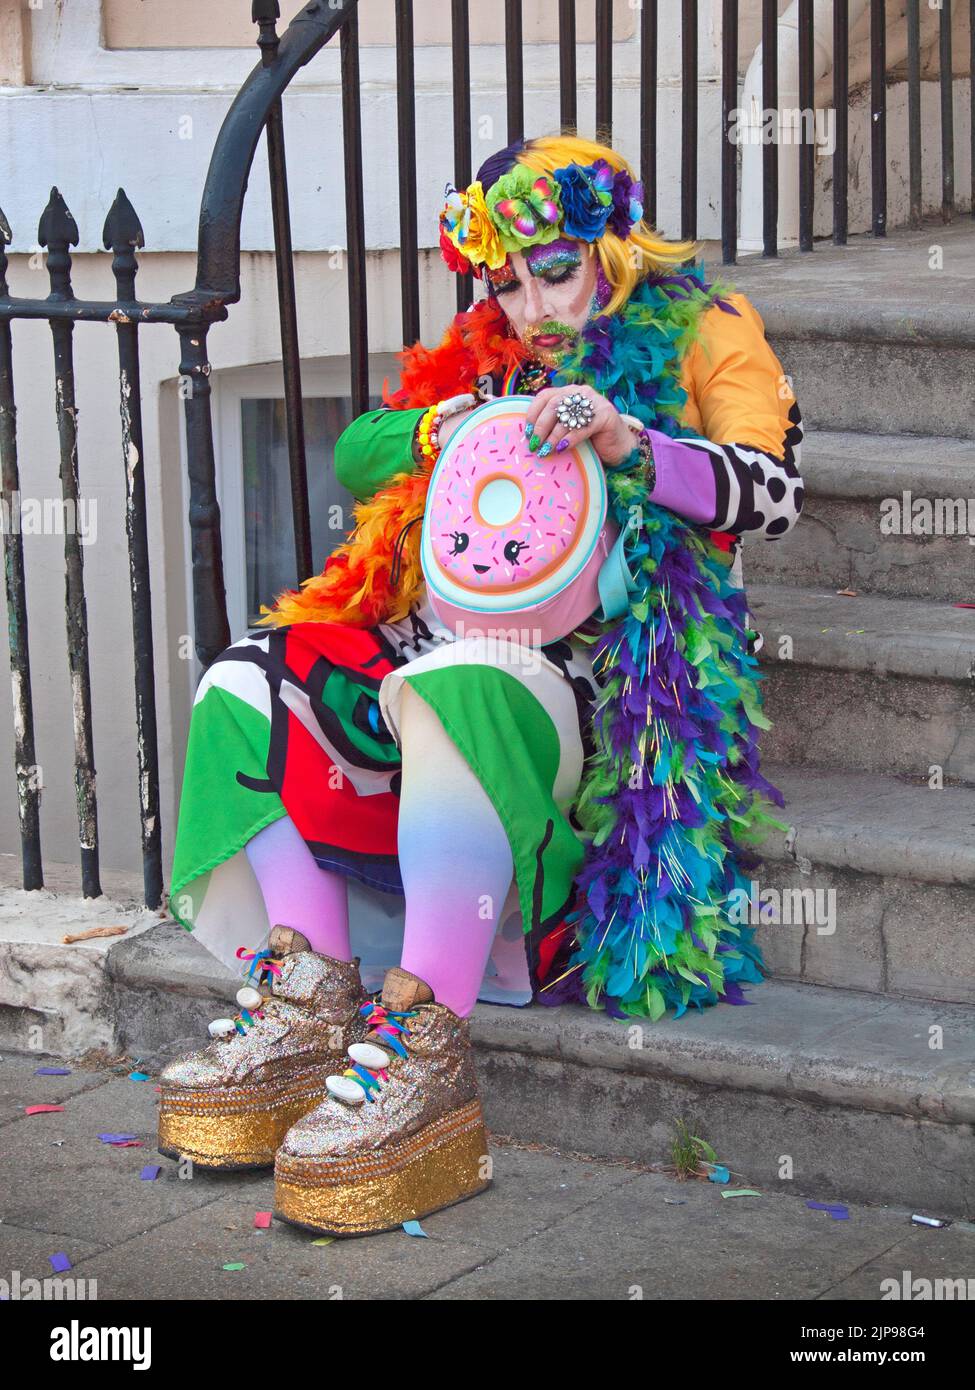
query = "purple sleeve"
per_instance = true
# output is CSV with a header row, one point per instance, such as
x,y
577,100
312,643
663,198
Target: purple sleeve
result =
x,y
731,487
685,479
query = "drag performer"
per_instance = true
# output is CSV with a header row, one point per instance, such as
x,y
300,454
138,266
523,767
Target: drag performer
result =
x,y
604,779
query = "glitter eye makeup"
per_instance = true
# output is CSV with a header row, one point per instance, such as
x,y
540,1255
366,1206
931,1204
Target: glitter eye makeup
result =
x,y
551,260
502,279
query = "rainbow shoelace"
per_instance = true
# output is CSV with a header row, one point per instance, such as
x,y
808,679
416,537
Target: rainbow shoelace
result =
x,y
263,968
387,1029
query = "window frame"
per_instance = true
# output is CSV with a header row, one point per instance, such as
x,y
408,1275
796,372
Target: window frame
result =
x,y
230,387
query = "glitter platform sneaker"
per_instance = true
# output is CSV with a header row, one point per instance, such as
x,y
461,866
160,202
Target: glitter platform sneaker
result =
x,y
401,1134
230,1105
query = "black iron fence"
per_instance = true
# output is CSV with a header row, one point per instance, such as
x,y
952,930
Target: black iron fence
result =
x,y
257,112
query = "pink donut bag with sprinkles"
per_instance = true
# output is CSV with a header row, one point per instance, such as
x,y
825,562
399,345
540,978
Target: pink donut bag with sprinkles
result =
x,y
513,544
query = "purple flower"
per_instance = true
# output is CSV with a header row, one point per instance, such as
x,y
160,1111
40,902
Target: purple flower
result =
x,y
627,204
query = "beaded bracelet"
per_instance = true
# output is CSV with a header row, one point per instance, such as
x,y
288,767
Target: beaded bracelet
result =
x,y
428,426
644,448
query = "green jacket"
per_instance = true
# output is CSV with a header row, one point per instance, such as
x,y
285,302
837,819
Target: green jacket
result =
x,y
373,449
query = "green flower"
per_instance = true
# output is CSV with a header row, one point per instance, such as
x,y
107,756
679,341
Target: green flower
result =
x,y
525,208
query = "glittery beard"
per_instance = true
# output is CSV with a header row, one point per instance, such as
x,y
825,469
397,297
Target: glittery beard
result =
x,y
550,356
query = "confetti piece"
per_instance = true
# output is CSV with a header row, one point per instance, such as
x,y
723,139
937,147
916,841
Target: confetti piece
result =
x,y
138,1076
718,1173
41,1109
262,1220
52,1071
675,1201
963,605
741,1192
836,1209
847,593
150,1173
233,1266
60,1262
117,1138
324,1240
413,1228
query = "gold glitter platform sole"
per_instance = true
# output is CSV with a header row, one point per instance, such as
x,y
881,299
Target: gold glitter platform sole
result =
x,y
378,1191
241,1128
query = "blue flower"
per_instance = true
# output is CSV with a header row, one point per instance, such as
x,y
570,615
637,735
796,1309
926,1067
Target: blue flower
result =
x,y
587,199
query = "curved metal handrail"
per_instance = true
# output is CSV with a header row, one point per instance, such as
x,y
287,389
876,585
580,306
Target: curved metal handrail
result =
x,y
222,204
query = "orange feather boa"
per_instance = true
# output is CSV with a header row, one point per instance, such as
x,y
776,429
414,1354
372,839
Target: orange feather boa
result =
x,y
357,585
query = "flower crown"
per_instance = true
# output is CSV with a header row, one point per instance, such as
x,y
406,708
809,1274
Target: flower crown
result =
x,y
525,209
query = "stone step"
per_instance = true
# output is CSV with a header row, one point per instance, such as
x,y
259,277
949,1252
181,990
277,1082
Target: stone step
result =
x,y
881,684
886,873
57,997
878,335
851,1095
839,543
850,1085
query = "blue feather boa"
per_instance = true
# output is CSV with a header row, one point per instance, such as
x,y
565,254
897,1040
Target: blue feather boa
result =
x,y
672,798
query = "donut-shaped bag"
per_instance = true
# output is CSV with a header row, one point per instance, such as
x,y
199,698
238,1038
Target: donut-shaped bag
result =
x,y
511,540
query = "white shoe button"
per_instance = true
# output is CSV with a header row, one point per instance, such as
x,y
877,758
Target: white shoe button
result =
x,y
222,1028
345,1089
369,1055
249,998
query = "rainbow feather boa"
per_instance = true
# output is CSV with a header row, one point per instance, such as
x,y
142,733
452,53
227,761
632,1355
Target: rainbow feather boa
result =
x,y
672,797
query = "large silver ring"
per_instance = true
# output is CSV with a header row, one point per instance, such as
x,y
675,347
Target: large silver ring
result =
x,y
574,411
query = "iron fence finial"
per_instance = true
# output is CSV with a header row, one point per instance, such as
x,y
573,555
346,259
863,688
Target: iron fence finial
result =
x,y
122,226
265,11
57,226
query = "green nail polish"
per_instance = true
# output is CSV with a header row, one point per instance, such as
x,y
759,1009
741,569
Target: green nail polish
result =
x,y
533,441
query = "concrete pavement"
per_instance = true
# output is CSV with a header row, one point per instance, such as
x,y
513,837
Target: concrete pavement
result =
x,y
553,1226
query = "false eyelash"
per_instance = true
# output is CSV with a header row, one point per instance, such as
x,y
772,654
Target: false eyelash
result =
x,y
549,280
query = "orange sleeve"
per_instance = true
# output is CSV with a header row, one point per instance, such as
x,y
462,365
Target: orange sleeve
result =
x,y
737,390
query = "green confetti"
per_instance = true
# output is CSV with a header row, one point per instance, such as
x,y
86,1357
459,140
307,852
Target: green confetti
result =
x,y
325,1240
741,1192
233,1266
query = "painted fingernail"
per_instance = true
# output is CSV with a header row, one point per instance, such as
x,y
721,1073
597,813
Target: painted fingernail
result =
x,y
545,450
562,445
533,441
